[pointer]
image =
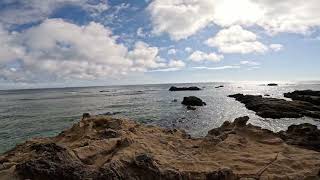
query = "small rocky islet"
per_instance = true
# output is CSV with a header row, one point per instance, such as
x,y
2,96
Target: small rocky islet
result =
x,y
105,147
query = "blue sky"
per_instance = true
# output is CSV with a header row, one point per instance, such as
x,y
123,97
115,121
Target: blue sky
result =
x,y
105,42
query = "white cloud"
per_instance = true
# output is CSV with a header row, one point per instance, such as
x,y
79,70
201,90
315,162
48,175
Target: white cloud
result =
x,y
28,11
199,56
188,49
176,64
172,51
250,63
173,65
183,18
145,57
217,68
56,49
180,18
236,40
276,47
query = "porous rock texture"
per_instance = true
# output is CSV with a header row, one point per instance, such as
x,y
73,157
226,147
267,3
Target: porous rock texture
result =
x,y
102,147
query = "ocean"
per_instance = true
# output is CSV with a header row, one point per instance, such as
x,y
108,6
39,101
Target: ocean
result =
x,y
46,112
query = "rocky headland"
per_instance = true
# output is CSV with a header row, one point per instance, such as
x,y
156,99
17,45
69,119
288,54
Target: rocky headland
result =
x,y
304,103
103,147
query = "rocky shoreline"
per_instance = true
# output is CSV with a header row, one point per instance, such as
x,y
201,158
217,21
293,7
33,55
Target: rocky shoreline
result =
x,y
304,103
103,147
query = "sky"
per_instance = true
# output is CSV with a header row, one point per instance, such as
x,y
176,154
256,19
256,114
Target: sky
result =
x,y
63,43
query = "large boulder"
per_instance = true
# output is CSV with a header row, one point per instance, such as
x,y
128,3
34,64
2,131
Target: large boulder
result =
x,y
193,101
192,88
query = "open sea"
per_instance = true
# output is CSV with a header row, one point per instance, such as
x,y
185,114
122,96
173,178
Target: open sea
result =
x,y
46,112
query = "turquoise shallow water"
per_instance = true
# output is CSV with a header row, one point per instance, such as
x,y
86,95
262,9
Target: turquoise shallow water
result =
x,y
46,112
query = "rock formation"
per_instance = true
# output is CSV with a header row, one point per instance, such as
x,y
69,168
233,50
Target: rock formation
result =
x,y
192,101
102,147
278,108
192,88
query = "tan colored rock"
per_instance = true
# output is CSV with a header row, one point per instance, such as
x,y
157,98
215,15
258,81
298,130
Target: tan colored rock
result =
x,y
134,151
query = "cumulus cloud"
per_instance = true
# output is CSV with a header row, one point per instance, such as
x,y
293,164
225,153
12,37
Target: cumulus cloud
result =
x,y
61,50
276,47
176,64
236,40
183,18
173,65
145,57
180,18
199,56
28,11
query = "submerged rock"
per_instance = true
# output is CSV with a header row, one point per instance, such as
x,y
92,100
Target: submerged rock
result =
x,y
278,108
193,101
221,86
103,147
192,88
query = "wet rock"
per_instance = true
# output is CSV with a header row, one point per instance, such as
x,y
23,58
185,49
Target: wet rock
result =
x,y
191,108
272,84
110,113
277,108
305,95
192,88
221,86
192,101
174,100
306,135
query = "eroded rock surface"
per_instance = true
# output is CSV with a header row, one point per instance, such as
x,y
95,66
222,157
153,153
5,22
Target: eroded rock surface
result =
x,y
101,147
278,108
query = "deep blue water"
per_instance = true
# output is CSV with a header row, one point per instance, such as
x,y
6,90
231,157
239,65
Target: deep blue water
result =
x,y
46,112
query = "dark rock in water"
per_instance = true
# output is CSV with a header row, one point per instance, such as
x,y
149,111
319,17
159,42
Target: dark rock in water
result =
x,y
267,95
175,100
272,84
278,108
192,101
221,86
110,113
104,91
191,108
305,135
192,88
86,115
305,95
